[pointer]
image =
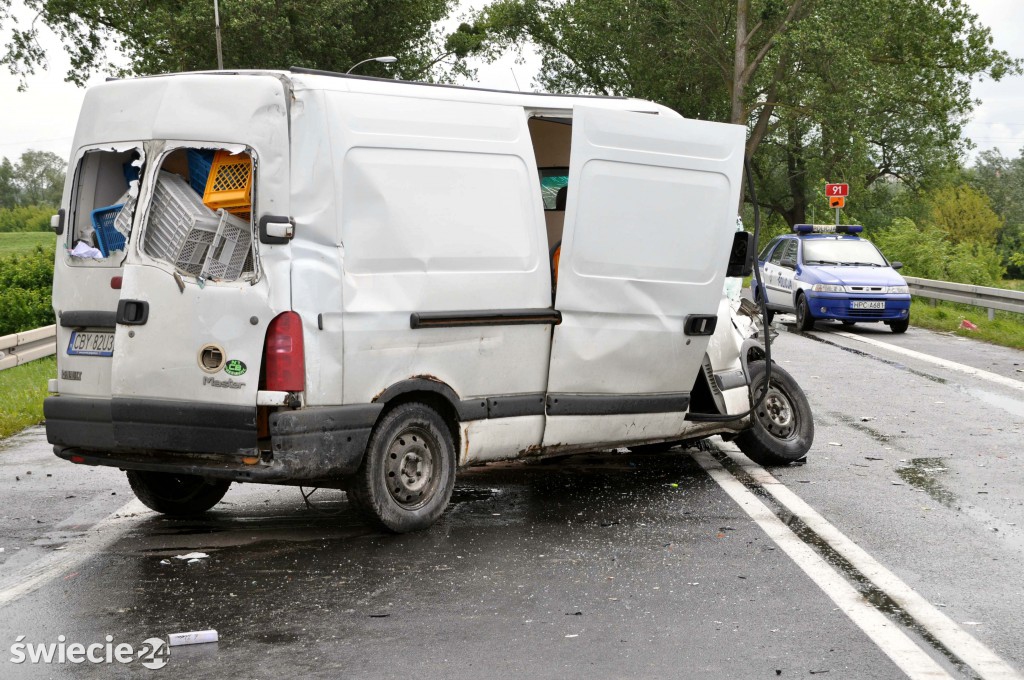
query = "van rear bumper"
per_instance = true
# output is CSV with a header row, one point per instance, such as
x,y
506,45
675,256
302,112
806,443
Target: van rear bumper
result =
x,y
209,440
121,424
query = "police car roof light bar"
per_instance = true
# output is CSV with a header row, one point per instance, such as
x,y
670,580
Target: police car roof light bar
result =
x,y
828,228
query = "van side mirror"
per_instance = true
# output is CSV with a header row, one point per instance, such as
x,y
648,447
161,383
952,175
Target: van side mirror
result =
x,y
896,265
276,230
57,222
741,257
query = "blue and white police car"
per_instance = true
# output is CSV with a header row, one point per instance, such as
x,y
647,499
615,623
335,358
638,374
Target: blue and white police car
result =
x,y
827,272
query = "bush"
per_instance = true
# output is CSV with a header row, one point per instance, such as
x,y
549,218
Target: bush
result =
x,y
26,282
927,252
26,218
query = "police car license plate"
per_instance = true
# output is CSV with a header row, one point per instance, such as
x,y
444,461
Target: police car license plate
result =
x,y
91,343
867,304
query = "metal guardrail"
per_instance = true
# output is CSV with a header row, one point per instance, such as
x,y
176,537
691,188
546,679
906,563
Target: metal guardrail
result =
x,y
965,293
19,348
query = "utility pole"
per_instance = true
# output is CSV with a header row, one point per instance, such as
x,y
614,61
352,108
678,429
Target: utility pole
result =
x,y
216,24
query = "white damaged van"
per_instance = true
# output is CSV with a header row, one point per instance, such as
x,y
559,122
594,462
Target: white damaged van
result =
x,y
314,279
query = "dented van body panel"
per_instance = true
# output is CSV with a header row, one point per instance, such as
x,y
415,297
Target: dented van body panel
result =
x,y
401,227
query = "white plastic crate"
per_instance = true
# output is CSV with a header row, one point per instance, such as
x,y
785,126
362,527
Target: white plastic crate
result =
x,y
123,221
197,241
226,258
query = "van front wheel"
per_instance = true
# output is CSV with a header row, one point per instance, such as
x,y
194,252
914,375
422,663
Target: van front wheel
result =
x,y
176,495
408,473
782,430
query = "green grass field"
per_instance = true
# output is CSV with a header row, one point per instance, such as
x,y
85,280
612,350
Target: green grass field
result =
x,y
24,241
1007,329
24,388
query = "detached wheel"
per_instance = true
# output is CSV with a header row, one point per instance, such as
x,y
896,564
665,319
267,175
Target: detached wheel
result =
x,y
899,325
408,473
782,430
176,495
804,320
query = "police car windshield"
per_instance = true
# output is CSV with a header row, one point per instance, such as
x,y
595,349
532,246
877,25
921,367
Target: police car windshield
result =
x,y
849,252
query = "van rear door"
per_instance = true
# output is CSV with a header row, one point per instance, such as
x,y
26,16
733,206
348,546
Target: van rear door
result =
x,y
650,216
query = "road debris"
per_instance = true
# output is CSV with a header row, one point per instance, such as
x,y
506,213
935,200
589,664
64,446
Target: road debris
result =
x,y
193,638
192,557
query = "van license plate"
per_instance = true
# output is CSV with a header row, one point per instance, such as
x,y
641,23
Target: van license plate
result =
x,y
868,304
91,343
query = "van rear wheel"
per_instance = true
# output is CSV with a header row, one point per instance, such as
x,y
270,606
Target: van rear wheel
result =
x,y
176,495
408,473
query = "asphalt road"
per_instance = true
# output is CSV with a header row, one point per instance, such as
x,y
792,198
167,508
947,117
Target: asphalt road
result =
x,y
895,551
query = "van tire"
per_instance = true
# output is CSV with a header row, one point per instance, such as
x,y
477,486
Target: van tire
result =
x,y
176,495
408,473
783,427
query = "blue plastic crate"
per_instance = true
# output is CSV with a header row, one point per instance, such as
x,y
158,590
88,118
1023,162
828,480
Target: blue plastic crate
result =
x,y
107,238
199,163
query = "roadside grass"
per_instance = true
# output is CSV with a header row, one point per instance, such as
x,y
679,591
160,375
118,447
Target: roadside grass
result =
x,y
24,241
24,388
1007,329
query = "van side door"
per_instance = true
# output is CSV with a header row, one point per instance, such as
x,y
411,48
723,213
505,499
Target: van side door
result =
x,y
650,216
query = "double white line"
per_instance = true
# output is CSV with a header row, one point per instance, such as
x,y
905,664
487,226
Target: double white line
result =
x,y
904,652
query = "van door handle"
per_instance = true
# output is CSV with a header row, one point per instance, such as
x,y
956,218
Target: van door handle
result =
x,y
132,312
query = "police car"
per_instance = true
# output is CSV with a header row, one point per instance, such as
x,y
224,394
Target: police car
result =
x,y
827,272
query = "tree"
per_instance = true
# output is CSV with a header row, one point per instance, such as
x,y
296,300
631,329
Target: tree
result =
x,y
965,214
1002,180
848,90
39,176
8,190
37,179
178,35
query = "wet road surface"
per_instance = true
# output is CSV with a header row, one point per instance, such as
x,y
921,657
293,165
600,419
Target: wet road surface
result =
x,y
607,565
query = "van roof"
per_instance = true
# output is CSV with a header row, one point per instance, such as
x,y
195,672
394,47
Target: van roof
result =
x,y
306,78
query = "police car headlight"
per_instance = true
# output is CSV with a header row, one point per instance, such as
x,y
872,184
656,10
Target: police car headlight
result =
x,y
898,289
827,288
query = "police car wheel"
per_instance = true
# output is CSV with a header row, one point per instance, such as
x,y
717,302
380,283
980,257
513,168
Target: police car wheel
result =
x,y
174,494
782,430
804,320
899,325
408,473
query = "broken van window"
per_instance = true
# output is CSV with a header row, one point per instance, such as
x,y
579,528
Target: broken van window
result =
x,y
200,214
103,202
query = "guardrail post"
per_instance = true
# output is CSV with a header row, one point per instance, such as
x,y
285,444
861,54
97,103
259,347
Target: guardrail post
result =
x,y
991,314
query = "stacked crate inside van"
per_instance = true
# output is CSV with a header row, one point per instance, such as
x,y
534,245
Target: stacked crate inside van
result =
x,y
202,225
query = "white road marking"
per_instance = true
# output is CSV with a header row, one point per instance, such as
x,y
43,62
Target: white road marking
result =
x,y
903,652
33,576
976,655
945,363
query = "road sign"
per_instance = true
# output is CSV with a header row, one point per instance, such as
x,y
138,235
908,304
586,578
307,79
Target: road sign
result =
x,y
837,190
836,202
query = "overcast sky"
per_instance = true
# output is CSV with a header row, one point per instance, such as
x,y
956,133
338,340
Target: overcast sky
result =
x,y
44,116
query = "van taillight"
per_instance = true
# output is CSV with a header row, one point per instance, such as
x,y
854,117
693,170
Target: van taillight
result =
x,y
284,354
